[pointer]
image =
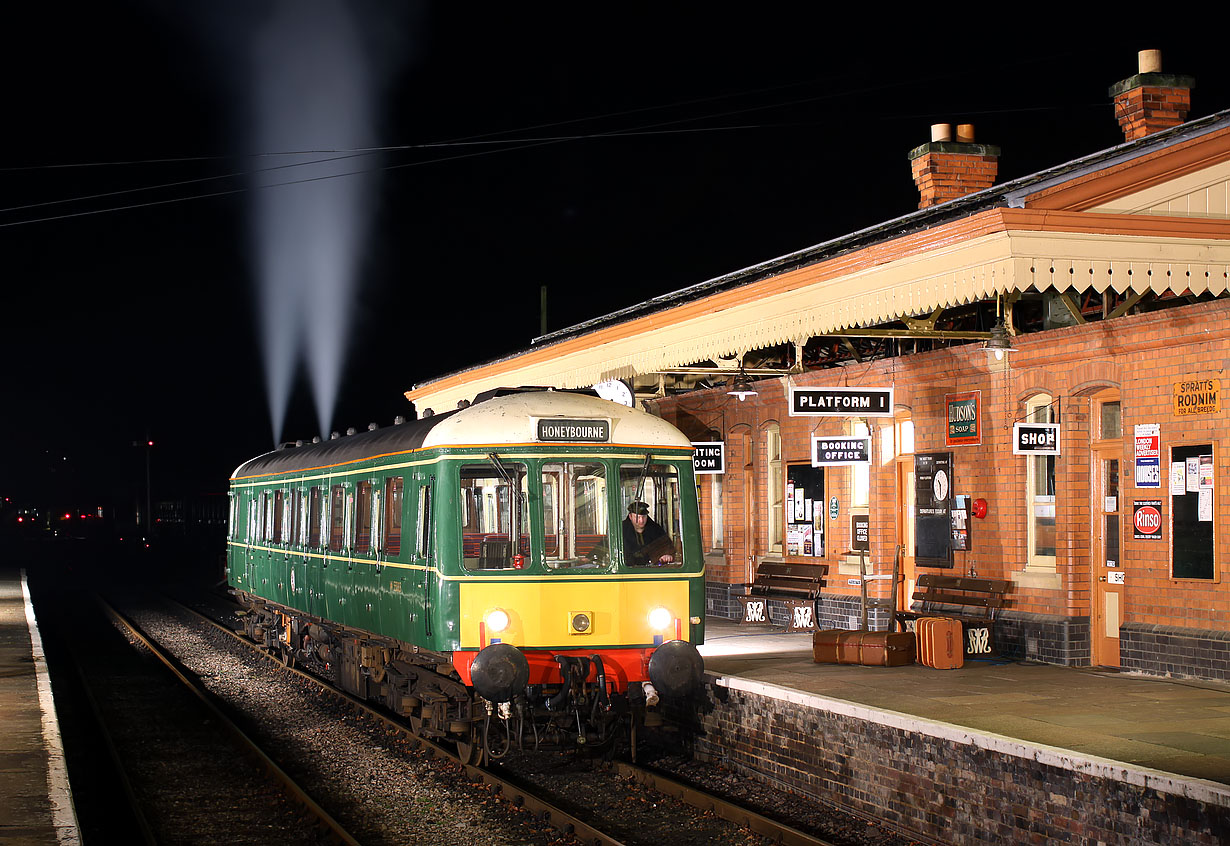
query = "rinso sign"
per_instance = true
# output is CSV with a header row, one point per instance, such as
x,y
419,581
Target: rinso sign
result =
x,y
1147,519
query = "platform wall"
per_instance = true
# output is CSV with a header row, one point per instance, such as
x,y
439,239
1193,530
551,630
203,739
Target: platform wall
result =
x,y
944,783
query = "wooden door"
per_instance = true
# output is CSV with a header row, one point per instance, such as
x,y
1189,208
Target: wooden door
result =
x,y
1106,556
905,529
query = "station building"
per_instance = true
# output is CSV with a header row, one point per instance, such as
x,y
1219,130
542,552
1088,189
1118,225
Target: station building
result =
x,y
1021,381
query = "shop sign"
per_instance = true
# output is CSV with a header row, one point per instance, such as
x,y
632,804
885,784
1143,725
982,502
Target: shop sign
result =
x,y
1035,439
709,458
1197,396
964,418
1148,440
841,402
1116,577
837,451
1147,519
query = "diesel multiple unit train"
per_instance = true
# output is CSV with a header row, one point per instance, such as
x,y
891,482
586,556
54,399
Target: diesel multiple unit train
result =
x,y
481,571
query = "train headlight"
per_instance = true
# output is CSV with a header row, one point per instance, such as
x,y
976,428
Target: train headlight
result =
x,y
497,620
660,619
580,622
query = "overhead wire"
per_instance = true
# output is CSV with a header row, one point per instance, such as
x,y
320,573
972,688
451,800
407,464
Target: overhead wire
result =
x,y
484,139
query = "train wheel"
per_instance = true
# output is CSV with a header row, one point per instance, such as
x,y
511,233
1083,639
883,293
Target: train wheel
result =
x,y
469,751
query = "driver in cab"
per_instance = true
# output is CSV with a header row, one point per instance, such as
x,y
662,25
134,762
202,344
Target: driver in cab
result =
x,y
646,543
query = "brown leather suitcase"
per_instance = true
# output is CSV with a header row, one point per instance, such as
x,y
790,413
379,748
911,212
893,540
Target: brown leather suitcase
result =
x,y
872,649
940,643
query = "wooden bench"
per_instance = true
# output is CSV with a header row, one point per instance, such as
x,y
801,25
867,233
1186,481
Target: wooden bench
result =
x,y
796,585
951,596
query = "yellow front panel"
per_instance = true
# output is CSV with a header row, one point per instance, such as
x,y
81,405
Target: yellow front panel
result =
x,y
539,611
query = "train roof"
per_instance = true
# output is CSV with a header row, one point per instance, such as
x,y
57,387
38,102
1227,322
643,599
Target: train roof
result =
x,y
501,420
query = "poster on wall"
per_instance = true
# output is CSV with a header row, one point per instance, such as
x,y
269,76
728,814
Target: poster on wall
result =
x,y
960,523
1148,440
1147,519
933,509
964,418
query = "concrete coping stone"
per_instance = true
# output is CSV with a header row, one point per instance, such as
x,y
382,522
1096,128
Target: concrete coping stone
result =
x,y
1201,790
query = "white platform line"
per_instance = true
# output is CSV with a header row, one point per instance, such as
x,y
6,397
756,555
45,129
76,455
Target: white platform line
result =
x,y
59,792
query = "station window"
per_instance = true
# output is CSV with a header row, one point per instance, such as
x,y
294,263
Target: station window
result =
x,y
716,508
658,542
494,514
1040,500
392,515
775,487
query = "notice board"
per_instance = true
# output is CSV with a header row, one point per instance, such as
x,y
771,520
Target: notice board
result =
x,y
933,509
1191,513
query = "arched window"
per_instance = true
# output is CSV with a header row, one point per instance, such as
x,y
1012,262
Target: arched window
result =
x,y
775,488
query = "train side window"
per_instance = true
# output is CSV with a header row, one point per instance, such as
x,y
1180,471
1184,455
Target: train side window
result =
x,y
337,518
363,519
266,530
393,504
254,520
296,514
659,543
424,522
315,509
494,514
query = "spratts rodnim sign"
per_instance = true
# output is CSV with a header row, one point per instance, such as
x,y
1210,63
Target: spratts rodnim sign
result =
x,y
841,402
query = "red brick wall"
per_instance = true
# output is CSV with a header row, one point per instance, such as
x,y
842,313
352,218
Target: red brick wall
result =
x,y
1140,355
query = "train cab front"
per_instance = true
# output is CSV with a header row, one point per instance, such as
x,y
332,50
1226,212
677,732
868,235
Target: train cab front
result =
x,y
586,697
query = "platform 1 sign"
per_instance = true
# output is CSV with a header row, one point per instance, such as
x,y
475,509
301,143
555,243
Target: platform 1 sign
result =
x,y
841,402
709,458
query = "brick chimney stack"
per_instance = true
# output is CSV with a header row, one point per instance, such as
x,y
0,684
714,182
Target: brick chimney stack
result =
x,y
945,169
1151,100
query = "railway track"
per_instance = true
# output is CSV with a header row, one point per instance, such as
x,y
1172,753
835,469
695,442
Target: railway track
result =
x,y
582,823
165,764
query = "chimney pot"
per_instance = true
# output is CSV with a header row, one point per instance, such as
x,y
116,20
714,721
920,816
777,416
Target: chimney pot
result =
x,y
965,133
941,132
1150,101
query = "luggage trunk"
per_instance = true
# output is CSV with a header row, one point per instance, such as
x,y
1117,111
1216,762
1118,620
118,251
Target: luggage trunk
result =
x,y
871,649
940,643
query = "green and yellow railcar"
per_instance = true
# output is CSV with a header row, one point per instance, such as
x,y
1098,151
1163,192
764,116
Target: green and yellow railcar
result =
x,y
480,571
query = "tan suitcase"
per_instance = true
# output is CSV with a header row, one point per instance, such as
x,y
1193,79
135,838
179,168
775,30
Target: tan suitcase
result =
x,y
940,643
871,649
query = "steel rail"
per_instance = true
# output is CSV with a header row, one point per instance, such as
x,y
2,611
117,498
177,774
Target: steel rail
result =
x,y
518,794
293,790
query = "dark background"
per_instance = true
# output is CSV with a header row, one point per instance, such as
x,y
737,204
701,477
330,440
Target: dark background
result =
x,y
644,149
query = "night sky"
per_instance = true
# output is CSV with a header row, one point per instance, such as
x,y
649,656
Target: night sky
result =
x,y
610,152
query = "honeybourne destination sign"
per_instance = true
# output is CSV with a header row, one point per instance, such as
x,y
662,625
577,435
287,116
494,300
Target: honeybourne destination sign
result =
x,y
841,402
563,430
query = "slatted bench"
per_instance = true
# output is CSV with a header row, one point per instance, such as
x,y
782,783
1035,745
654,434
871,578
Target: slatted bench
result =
x,y
796,586
951,596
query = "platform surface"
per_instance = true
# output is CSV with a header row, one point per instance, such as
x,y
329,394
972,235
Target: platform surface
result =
x,y
1176,726
35,797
